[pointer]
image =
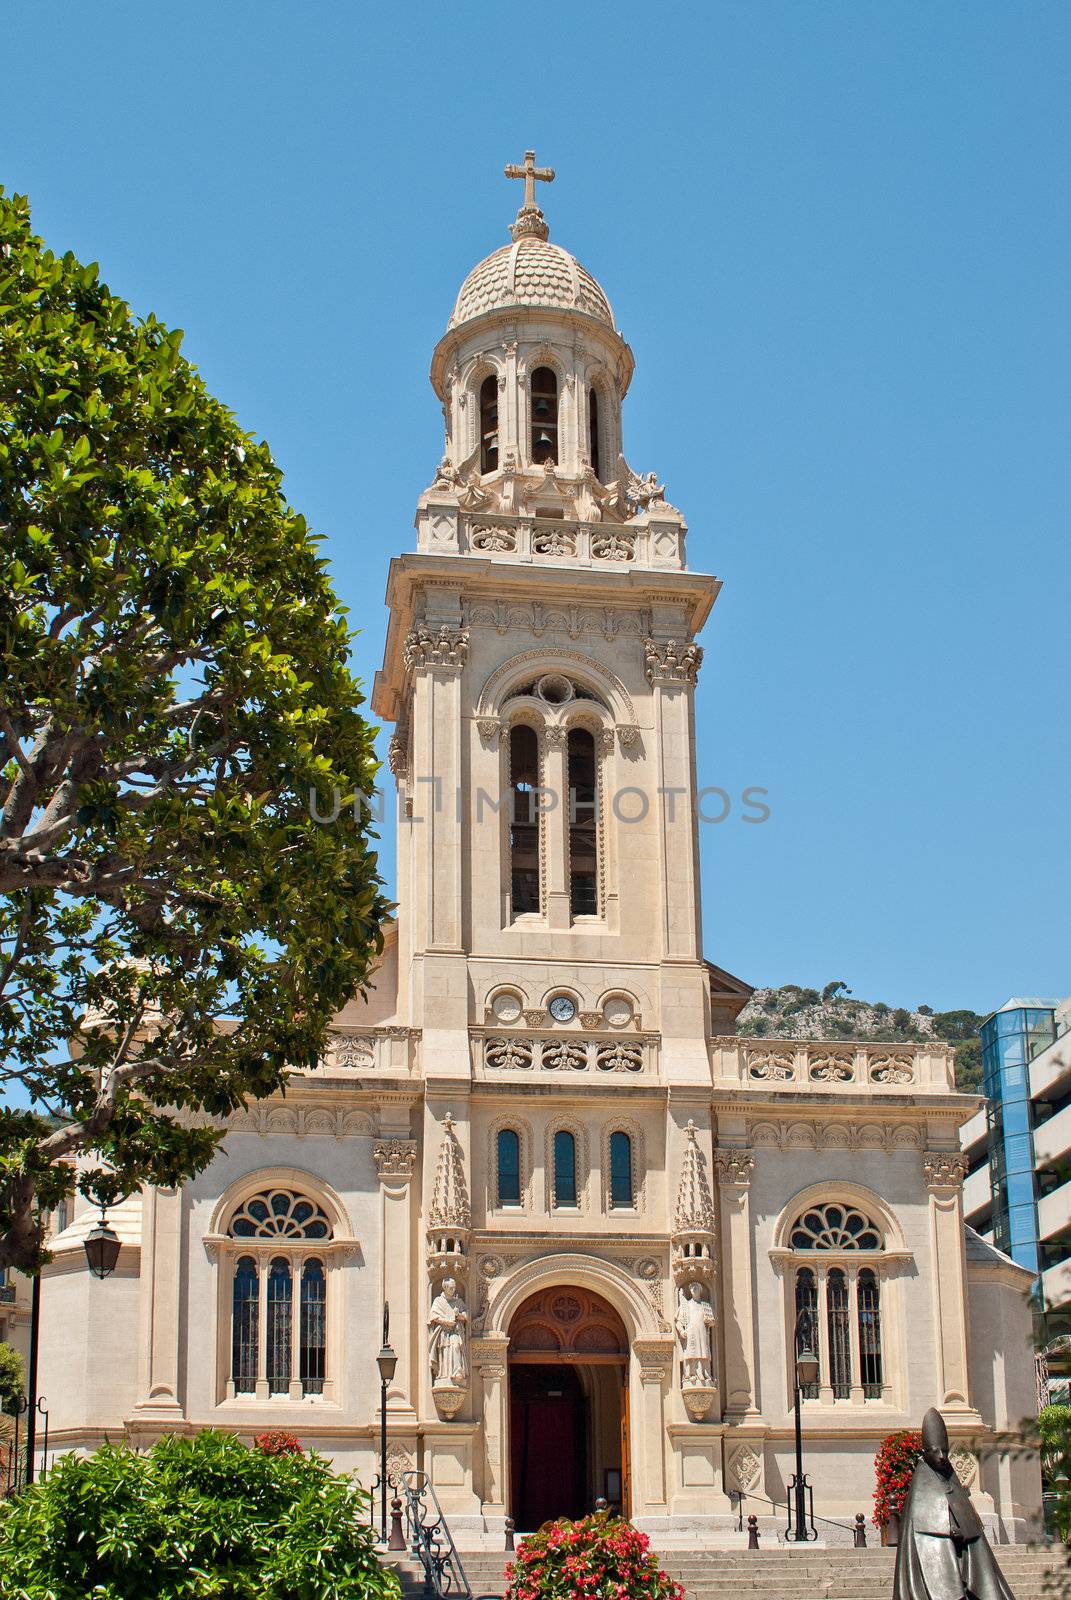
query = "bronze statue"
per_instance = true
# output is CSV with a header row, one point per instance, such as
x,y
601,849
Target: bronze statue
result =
x,y
943,1553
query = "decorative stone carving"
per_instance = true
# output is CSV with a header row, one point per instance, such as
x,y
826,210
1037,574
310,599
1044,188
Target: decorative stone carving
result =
x,y
694,1324
509,1055
536,1017
698,1399
398,753
620,1055
559,541
770,1065
564,1055
493,537
490,730
944,1169
654,1358
448,1338
427,651
627,735
450,1201
591,1019
665,661
351,1050
606,741
394,1159
555,736
734,1166
743,1467
893,1069
834,1066
614,546
695,1205
964,1464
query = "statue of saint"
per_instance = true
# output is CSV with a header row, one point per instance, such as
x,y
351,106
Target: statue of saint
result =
x,y
695,1321
943,1552
446,1347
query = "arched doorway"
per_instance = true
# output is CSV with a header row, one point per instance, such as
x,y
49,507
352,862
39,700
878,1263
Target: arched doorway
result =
x,y
568,1374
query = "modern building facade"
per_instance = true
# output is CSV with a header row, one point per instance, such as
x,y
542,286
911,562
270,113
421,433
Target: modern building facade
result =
x,y
594,1211
1017,1193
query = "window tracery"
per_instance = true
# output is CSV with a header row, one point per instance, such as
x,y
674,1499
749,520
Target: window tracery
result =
x,y
842,1299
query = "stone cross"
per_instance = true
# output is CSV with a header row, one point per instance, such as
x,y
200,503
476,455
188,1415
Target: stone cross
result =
x,y
531,175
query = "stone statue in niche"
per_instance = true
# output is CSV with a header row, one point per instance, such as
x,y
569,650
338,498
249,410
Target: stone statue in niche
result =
x,y
695,1323
447,1325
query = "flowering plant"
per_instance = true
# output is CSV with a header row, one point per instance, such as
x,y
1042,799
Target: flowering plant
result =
x,y
893,1466
277,1442
599,1557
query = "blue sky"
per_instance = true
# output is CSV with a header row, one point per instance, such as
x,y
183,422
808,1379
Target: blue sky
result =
x,y
836,236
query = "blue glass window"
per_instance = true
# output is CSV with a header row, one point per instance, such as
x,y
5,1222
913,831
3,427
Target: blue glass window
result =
x,y
509,1168
564,1169
621,1170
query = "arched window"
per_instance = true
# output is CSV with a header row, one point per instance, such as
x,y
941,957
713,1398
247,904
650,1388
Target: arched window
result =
x,y
621,1187
593,430
870,1334
523,820
583,833
279,1295
245,1326
508,1149
280,1326
313,1344
544,394
565,1193
840,1352
843,1298
489,424
807,1301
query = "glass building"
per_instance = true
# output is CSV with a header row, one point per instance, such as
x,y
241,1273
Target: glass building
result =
x,y
1011,1038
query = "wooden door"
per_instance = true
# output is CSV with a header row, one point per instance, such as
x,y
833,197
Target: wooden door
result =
x,y
626,1453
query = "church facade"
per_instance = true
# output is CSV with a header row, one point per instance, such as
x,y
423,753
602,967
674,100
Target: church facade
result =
x,y
603,1223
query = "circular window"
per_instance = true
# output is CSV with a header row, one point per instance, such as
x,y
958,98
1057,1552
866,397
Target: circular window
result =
x,y
618,1011
555,689
506,1006
562,1008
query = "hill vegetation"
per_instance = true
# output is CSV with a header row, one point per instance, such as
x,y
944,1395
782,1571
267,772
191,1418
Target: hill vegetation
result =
x,y
793,1012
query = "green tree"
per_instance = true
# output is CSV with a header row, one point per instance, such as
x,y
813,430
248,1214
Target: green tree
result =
x,y
835,990
968,1060
191,1519
956,1025
12,1377
173,688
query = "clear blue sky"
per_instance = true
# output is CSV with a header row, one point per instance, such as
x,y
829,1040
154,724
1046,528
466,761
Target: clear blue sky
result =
x,y
836,236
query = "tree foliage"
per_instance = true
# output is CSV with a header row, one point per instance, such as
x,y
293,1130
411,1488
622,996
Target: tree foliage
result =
x,y
12,1377
173,684
193,1518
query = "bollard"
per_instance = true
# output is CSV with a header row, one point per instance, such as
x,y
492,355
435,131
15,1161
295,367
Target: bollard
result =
x,y
397,1537
859,1541
753,1532
601,1506
510,1528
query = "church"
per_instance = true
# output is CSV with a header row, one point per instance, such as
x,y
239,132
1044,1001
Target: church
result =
x,y
604,1224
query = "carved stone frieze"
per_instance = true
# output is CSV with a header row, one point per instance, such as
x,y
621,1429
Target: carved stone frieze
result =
x,y
669,661
743,1467
845,1135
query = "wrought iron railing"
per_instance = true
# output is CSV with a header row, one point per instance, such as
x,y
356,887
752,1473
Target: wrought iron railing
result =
x,y
431,1542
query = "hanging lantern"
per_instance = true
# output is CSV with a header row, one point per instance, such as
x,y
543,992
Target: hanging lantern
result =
x,y
102,1248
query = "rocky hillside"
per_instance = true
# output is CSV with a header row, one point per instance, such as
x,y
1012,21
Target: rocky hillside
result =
x,y
792,1012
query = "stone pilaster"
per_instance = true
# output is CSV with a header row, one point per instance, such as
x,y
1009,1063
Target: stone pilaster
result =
x,y
490,1374
734,1167
654,1360
944,1172
159,1393
395,1160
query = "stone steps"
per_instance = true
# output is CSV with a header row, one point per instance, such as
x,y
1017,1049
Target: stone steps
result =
x,y
776,1573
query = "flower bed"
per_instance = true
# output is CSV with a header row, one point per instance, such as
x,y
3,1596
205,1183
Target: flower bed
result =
x,y
601,1557
893,1466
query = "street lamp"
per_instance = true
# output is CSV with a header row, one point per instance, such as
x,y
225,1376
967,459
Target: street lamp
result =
x,y
806,1373
386,1361
102,1248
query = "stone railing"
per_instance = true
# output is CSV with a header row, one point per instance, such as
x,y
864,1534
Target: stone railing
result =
x,y
388,1050
548,539
819,1064
504,1054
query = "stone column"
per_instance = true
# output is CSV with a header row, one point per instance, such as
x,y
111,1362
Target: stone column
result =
x,y
735,1167
395,1160
945,1171
161,1308
553,827
654,1360
491,1380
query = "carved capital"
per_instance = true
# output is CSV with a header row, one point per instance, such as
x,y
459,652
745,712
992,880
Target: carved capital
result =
x,y
394,1159
555,737
668,661
490,731
627,735
944,1169
398,753
734,1166
428,650
655,1358
536,1017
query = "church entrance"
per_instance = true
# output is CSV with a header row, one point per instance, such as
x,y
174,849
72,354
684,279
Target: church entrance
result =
x,y
568,1376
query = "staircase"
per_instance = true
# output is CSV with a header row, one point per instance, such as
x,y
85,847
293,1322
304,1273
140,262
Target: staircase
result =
x,y
776,1573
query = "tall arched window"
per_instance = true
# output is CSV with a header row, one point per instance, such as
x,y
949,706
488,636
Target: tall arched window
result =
x,y
807,1300
870,1334
508,1152
621,1186
593,430
313,1341
280,1326
279,1295
489,424
245,1325
523,820
583,832
843,1296
564,1169
544,393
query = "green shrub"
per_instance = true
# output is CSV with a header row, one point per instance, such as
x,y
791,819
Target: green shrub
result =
x,y
199,1518
12,1377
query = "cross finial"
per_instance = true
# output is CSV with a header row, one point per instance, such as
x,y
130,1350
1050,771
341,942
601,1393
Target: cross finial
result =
x,y
529,217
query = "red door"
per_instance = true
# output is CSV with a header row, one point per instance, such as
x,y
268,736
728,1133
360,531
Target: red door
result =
x,y
548,1449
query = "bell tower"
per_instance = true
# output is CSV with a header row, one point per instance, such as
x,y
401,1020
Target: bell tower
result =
x,y
540,668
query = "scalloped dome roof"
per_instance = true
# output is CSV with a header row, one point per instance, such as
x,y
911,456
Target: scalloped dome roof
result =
x,y
531,272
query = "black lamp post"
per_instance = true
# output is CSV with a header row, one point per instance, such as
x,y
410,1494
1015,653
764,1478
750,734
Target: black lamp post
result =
x,y
806,1372
102,1248
386,1361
